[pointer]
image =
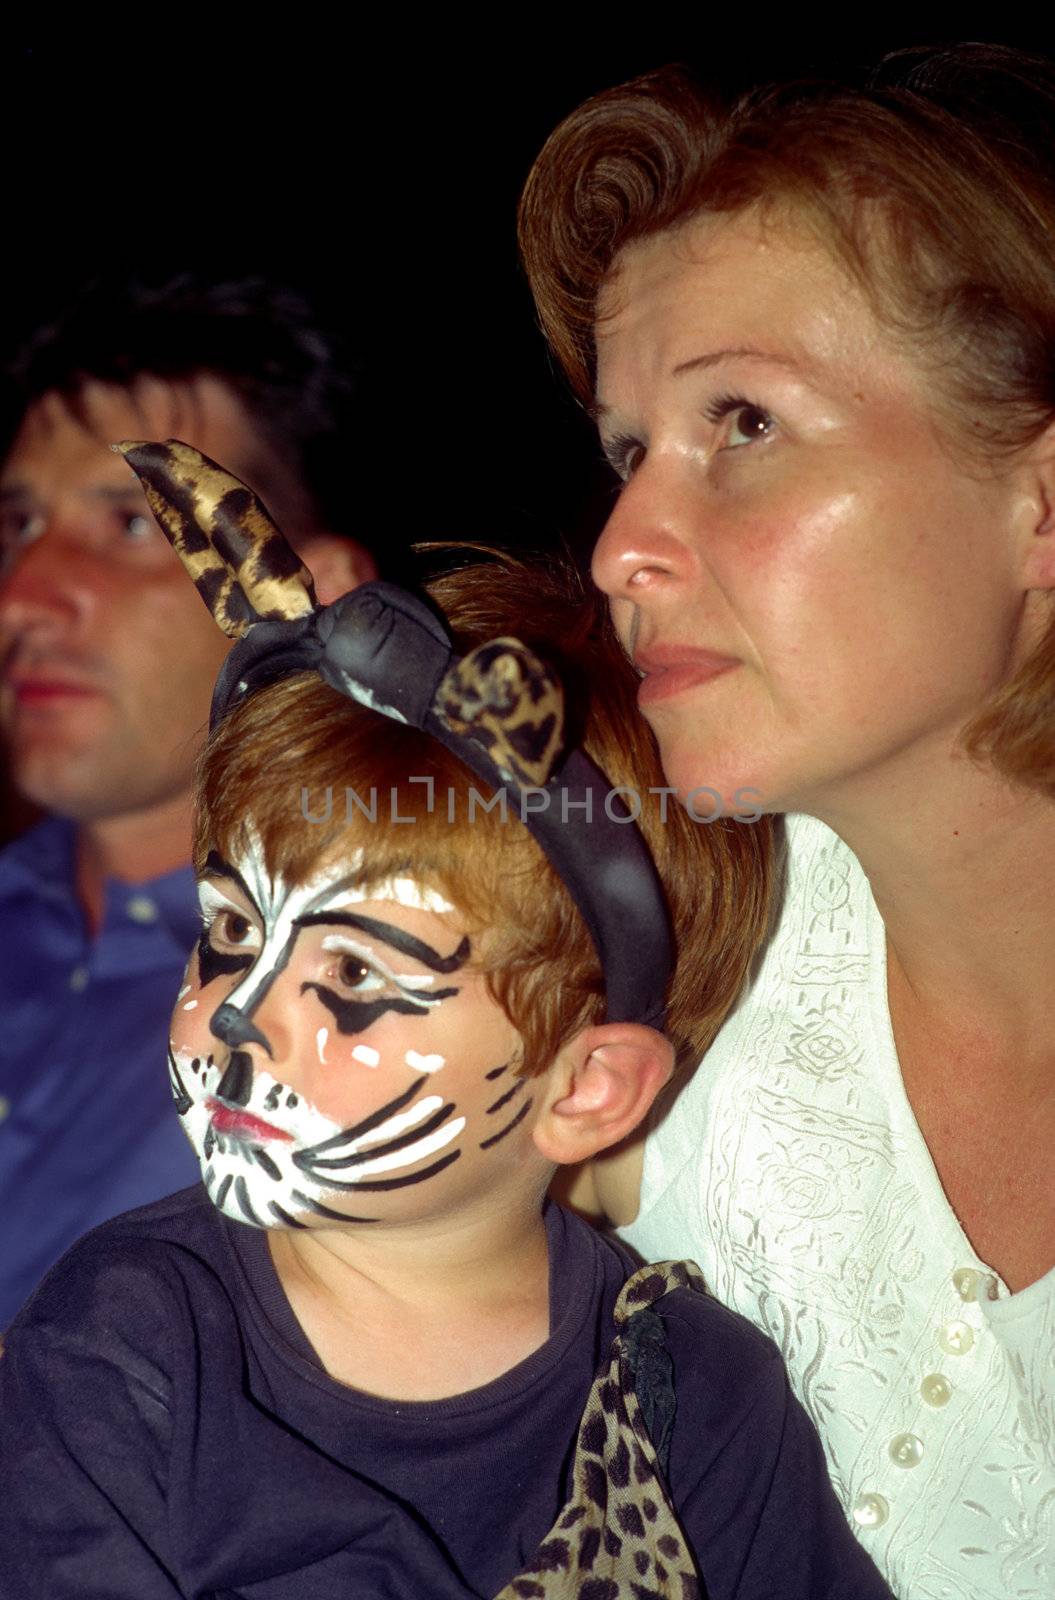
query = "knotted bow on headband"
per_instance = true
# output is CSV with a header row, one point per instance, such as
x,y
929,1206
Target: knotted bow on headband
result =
x,y
499,709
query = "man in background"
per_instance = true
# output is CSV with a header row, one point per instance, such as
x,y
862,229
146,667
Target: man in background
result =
x,y
107,660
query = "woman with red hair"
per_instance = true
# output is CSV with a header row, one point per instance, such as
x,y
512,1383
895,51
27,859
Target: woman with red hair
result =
x,y
817,329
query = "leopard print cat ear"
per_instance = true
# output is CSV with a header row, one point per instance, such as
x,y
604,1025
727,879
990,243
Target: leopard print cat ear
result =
x,y
509,702
242,566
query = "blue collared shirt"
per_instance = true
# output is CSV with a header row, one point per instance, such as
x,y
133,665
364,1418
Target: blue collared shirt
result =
x,y
87,1125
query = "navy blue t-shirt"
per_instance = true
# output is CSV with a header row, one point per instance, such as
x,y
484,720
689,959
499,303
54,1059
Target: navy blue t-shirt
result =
x,y
167,1430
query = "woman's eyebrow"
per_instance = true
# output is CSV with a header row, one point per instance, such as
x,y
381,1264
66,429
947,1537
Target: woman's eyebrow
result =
x,y
398,938
217,867
746,352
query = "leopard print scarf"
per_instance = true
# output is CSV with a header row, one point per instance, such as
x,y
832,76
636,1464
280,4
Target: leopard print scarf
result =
x,y
618,1538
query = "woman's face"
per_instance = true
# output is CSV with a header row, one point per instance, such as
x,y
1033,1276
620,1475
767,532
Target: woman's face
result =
x,y
818,593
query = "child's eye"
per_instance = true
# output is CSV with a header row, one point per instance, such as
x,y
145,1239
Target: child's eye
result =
x,y
232,930
354,973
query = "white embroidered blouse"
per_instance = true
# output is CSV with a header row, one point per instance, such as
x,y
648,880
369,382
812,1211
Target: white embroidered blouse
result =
x,y
793,1170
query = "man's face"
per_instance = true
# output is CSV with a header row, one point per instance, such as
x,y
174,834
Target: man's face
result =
x,y
107,655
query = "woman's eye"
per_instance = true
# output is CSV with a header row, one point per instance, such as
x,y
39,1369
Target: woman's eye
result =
x,y
744,422
748,424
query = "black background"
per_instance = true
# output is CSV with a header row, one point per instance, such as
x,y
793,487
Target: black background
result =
x,y
379,168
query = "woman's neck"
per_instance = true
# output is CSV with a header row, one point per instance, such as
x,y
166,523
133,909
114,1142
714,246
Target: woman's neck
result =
x,y
962,867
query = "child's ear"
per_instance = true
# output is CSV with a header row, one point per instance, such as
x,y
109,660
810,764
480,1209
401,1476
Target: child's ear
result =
x,y
600,1087
336,565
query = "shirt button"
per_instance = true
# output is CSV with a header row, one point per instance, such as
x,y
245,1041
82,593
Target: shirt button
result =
x,y
966,1282
956,1338
906,1450
79,979
936,1389
870,1511
141,908
5,1106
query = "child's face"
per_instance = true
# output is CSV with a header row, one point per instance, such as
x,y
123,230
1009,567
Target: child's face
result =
x,y
335,1055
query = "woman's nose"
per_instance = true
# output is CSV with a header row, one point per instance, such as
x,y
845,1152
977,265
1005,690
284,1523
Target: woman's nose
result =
x,y
642,548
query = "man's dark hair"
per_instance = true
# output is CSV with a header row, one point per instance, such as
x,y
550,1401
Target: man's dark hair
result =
x,y
263,340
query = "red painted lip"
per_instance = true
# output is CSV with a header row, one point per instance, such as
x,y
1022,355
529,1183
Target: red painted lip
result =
x,y
227,1119
45,691
668,669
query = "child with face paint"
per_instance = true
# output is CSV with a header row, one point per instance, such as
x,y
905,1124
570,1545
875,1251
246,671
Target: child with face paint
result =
x,y
365,1357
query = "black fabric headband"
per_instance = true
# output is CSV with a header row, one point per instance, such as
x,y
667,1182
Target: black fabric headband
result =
x,y
499,709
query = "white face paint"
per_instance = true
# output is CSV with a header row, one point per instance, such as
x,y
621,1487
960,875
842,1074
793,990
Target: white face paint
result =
x,y
423,1063
289,1128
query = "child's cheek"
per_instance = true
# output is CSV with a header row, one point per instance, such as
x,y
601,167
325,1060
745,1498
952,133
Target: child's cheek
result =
x,y
347,1075
189,1030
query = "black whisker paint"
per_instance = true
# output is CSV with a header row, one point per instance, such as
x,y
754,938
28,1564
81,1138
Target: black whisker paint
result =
x,y
265,1161
183,1099
521,1114
401,1183
221,1193
389,1146
284,1216
368,1124
374,1184
327,1211
502,1100
241,1194
496,1072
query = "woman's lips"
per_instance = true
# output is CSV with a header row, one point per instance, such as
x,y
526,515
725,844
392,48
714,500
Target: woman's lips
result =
x,y
668,670
227,1119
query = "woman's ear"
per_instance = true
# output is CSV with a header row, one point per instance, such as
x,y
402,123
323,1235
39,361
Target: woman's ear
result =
x,y
336,564
599,1089
1037,518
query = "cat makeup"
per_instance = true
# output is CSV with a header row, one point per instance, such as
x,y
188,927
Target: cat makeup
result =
x,y
334,1056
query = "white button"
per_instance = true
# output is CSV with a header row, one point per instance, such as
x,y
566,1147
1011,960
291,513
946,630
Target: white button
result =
x,y
936,1389
956,1338
79,979
906,1450
5,1106
141,908
967,1281
870,1511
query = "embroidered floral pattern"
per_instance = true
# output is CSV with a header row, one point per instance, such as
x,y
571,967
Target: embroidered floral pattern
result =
x,y
793,1170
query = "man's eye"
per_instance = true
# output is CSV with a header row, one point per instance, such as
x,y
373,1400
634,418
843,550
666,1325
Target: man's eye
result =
x,y
137,528
18,528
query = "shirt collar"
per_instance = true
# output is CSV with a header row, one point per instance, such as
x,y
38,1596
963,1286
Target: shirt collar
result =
x,y
41,862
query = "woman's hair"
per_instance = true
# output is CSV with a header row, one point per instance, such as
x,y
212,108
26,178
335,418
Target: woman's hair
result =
x,y
275,756
934,186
